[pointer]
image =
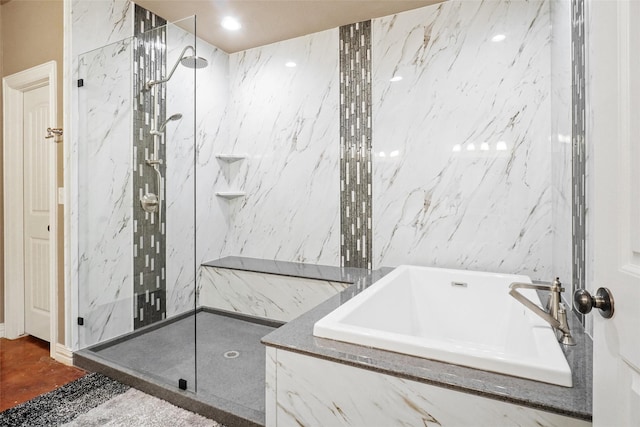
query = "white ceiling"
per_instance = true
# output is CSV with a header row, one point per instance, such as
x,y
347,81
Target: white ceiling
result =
x,y
266,21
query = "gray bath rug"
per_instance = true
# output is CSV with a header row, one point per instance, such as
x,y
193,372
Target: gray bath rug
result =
x,y
63,404
135,408
96,400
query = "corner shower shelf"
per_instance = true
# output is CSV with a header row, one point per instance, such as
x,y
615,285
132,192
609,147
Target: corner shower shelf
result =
x,y
230,194
230,158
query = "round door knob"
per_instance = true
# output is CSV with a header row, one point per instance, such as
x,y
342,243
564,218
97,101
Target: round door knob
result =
x,y
602,300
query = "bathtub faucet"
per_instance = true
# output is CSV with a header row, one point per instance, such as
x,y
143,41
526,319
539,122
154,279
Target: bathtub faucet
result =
x,y
556,314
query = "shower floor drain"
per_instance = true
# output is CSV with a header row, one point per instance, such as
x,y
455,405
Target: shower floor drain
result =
x,y
231,354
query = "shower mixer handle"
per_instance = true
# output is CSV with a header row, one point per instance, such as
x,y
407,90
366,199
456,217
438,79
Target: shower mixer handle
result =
x,y
156,204
150,202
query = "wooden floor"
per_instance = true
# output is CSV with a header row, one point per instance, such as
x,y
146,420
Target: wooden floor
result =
x,y
27,371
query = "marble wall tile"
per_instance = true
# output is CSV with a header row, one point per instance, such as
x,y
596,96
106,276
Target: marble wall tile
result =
x,y
286,120
96,23
496,209
561,148
270,386
101,298
180,176
317,392
104,193
271,296
190,182
212,134
462,165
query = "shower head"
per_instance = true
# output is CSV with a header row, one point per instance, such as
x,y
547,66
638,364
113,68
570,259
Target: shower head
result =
x,y
194,62
176,116
191,61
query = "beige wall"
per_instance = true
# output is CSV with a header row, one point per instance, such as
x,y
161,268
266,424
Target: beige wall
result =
x,y
1,188
31,33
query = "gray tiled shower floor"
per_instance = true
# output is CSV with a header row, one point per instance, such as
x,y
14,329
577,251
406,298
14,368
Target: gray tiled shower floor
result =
x,y
169,353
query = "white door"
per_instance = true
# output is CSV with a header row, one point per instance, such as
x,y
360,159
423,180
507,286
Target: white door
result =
x,y
36,213
613,58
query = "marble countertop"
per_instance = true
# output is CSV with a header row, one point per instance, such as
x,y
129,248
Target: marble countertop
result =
x,y
297,336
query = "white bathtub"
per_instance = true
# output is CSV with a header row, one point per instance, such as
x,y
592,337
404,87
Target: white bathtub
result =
x,y
455,316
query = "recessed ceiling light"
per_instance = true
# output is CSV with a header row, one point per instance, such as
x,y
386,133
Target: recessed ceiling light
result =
x,y
498,38
230,23
290,64
396,78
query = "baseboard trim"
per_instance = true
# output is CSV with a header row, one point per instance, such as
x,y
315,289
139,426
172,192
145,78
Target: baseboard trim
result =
x,y
64,355
1,330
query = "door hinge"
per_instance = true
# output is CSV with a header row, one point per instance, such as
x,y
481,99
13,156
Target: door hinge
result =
x,y
80,321
80,82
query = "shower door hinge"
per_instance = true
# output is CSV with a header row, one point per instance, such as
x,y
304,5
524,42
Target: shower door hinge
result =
x,y
182,384
80,82
81,321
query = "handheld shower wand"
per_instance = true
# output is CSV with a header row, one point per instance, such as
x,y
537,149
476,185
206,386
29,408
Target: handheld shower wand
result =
x,y
160,133
151,202
171,118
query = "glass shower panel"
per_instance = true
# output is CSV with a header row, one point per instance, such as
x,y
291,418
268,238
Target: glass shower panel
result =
x,y
105,191
180,167
137,203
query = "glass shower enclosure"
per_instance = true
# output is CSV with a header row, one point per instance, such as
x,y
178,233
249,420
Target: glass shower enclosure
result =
x,y
136,202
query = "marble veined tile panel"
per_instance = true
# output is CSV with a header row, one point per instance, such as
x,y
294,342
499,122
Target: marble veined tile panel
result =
x,y
194,216
96,23
270,386
180,176
462,159
561,147
105,224
212,135
286,119
317,392
93,24
271,296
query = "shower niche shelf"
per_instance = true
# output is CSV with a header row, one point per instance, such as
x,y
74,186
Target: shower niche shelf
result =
x,y
231,158
229,195
230,173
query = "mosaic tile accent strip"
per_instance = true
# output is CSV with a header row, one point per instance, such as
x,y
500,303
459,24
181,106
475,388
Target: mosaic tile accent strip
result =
x,y
579,156
355,145
149,112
